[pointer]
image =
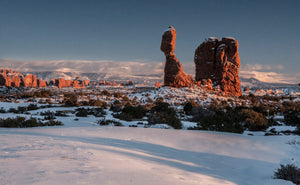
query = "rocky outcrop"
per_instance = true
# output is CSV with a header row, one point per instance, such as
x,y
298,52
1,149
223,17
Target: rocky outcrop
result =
x,y
86,82
42,83
30,80
16,81
219,61
174,74
61,83
10,78
76,84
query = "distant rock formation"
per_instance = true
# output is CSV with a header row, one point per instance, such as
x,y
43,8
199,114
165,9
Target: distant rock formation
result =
x,y
219,61
12,78
30,81
42,83
174,74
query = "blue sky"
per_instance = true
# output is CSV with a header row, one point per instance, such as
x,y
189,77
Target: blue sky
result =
x,y
268,31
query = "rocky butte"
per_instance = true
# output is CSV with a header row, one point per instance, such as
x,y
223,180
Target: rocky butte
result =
x,y
174,74
219,62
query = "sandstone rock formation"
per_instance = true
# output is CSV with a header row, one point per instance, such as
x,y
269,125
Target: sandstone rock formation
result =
x,y
16,81
87,82
30,80
42,83
76,84
10,78
174,74
220,62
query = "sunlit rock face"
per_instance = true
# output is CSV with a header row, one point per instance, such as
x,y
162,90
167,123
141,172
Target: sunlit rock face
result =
x,y
174,74
10,78
30,80
220,62
42,83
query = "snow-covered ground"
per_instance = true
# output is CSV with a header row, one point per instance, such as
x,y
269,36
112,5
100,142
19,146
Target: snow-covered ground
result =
x,y
122,155
82,152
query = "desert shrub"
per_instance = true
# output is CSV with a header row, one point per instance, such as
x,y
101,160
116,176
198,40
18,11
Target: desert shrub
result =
x,y
82,112
12,110
2,110
105,93
104,122
115,108
60,113
22,109
149,100
70,100
220,122
224,120
53,123
99,112
126,99
254,121
97,103
188,107
21,122
162,113
117,94
199,112
292,117
12,122
48,112
43,94
48,100
48,115
158,100
265,109
288,172
2,97
32,122
130,112
32,107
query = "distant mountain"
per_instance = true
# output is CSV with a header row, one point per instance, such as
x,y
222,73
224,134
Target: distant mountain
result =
x,y
255,83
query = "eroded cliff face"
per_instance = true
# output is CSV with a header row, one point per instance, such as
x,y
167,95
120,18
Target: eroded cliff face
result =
x,y
12,78
219,61
174,74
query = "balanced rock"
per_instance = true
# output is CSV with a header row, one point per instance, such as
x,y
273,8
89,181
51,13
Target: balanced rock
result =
x,y
219,61
174,74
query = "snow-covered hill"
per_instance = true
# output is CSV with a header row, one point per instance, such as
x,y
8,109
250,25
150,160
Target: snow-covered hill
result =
x,y
134,156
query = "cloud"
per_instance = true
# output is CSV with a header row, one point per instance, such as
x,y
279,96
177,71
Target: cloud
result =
x,y
260,67
109,67
268,73
271,77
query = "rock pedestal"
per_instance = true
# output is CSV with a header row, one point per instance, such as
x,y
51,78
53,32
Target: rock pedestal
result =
x,y
174,74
